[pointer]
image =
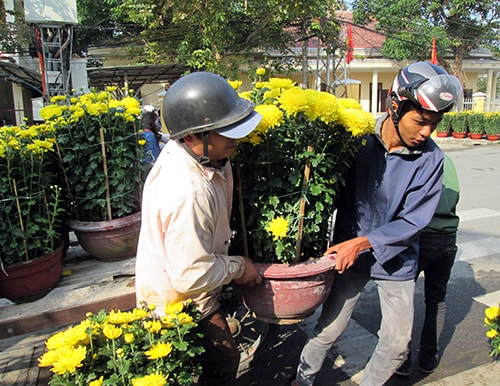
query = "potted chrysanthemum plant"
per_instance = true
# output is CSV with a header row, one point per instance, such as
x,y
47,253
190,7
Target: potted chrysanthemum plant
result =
x,y
99,150
31,242
492,322
122,348
288,171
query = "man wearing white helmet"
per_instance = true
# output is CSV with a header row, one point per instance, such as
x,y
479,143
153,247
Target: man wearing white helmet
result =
x,y
390,195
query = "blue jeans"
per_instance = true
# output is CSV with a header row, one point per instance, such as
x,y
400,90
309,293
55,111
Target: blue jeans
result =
x,y
396,302
437,255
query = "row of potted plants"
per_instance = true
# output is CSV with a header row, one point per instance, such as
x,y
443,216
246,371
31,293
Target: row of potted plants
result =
x,y
80,166
475,125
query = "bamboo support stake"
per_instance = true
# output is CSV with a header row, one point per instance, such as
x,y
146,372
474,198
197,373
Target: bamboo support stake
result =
x,y
20,219
106,178
302,207
239,187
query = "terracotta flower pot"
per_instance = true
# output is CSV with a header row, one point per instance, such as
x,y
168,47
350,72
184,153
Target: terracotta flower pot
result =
x,y
289,293
475,135
32,280
111,240
458,135
442,134
492,137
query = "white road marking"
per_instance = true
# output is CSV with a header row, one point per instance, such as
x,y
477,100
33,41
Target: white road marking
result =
x,y
490,299
478,248
477,214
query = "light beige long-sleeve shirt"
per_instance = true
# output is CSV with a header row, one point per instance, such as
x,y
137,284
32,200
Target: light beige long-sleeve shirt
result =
x,y
185,233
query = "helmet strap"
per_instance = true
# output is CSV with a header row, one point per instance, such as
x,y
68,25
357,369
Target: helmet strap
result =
x,y
396,116
202,159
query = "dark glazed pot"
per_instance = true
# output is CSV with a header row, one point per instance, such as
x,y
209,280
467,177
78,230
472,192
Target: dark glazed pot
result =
x,y
111,240
32,280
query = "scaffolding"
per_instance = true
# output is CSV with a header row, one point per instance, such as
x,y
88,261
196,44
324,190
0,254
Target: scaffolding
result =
x,y
54,45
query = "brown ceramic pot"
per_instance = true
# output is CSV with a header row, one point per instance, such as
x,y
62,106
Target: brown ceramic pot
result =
x,y
289,293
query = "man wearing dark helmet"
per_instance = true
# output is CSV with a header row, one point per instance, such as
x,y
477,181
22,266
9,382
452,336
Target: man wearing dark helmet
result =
x,y
390,195
185,234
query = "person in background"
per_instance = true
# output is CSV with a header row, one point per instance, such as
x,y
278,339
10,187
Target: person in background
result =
x,y
436,257
390,195
185,233
151,135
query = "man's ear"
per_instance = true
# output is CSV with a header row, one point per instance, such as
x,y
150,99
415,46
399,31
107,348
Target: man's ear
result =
x,y
394,105
189,138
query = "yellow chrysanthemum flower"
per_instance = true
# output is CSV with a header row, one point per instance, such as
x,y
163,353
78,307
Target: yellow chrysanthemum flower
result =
x,y
174,308
293,101
119,317
150,380
140,313
130,103
322,105
272,116
97,382
350,103
50,111
185,318
114,104
110,331
153,326
103,95
280,83
245,95
235,84
492,312
260,71
159,350
278,227
57,98
93,109
492,333
358,122
65,359
129,338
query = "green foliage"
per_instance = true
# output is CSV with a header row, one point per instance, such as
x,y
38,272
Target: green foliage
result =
x,y
444,126
458,25
290,168
136,347
492,123
217,36
98,172
476,123
458,122
30,200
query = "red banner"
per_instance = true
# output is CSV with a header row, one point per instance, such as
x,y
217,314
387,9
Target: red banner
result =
x,y
433,52
349,53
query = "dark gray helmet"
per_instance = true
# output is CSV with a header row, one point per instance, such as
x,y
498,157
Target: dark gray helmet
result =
x,y
204,101
428,87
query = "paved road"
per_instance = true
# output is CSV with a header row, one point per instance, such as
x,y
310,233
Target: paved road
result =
x,y
474,285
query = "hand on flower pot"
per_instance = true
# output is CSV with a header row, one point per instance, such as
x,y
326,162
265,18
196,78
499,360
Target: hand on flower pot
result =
x,y
250,275
348,251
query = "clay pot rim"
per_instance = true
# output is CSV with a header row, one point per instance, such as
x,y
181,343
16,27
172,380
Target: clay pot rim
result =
x,y
98,226
304,269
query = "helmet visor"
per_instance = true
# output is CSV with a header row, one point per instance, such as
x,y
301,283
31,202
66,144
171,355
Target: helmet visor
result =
x,y
241,128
